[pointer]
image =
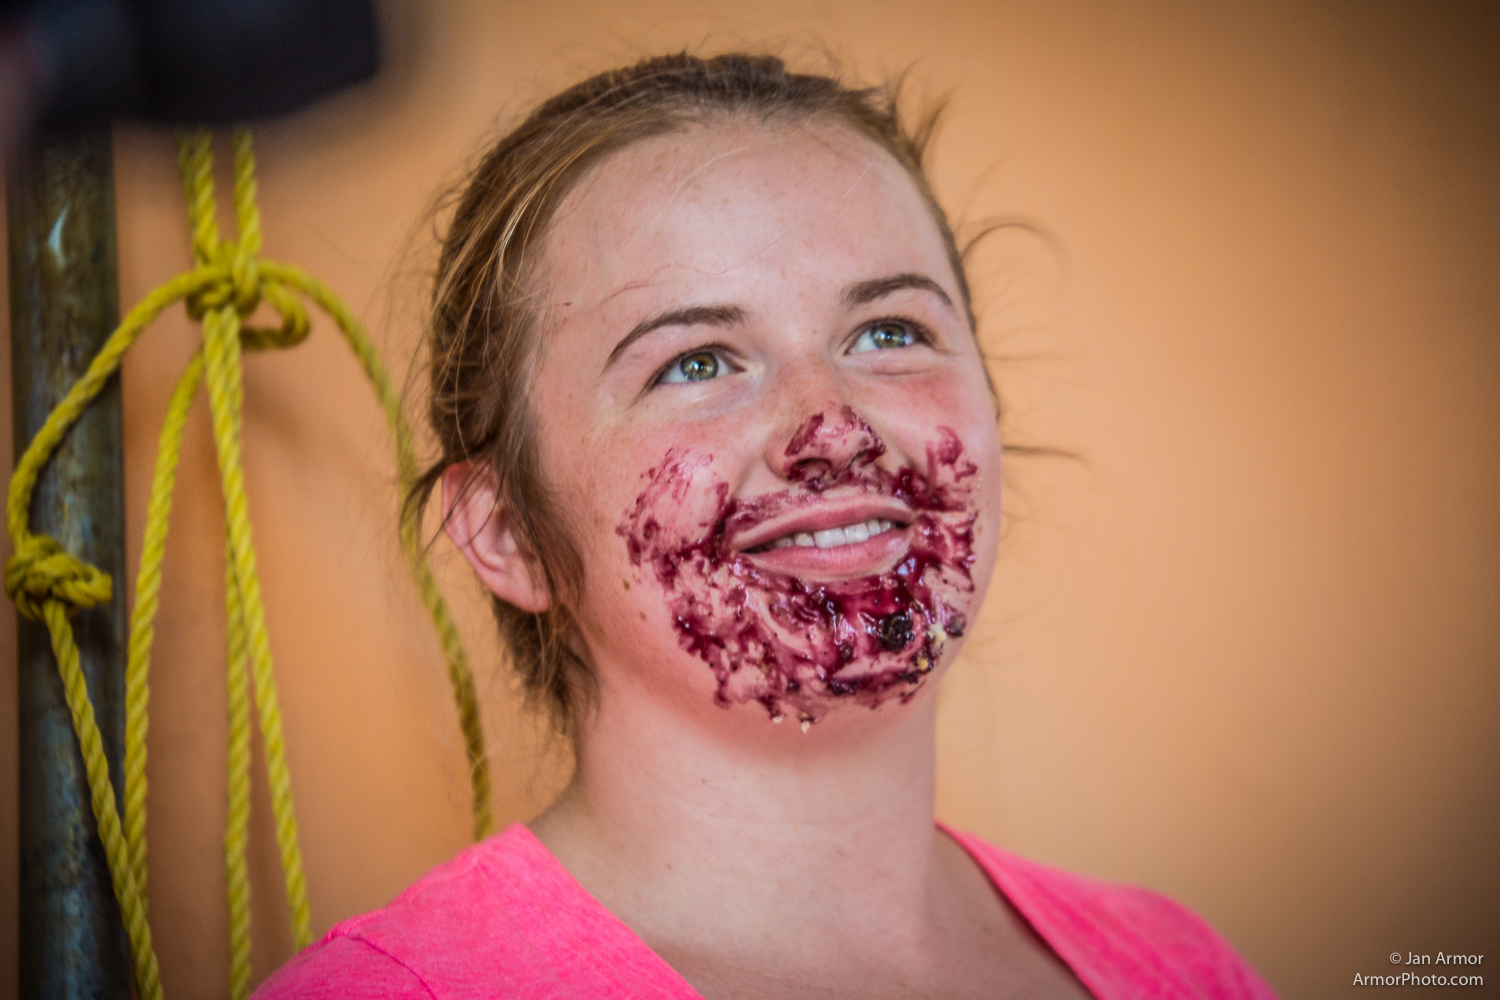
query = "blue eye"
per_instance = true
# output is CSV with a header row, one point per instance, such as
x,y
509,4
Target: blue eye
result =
x,y
884,336
696,367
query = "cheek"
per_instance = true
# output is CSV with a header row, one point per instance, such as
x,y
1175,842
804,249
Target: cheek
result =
x,y
956,397
621,619
906,412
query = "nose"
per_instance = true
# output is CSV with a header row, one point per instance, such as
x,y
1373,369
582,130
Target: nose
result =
x,y
824,446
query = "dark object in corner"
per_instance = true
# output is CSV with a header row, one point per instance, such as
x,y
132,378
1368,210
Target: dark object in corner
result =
x,y
191,62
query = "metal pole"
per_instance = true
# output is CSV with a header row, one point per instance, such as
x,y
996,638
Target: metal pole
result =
x,y
63,305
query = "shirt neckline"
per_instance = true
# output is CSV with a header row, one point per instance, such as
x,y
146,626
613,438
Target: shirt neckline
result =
x,y
646,960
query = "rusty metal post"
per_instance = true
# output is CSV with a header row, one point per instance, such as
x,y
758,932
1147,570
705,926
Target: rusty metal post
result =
x,y
63,305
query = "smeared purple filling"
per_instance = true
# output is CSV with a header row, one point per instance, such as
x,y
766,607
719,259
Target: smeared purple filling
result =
x,y
795,645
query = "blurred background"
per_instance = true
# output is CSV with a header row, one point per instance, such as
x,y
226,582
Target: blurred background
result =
x,y
1244,651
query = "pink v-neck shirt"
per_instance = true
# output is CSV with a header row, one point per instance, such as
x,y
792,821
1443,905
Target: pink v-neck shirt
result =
x,y
505,919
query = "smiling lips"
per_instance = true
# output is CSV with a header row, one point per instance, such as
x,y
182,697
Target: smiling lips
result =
x,y
827,539
834,537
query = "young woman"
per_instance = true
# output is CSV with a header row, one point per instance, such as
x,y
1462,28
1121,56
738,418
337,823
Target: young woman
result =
x,y
718,437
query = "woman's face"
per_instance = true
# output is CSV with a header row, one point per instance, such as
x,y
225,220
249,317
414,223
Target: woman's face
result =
x,y
766,424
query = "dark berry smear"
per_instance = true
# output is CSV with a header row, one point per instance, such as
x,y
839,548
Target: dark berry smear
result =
x,y
799,646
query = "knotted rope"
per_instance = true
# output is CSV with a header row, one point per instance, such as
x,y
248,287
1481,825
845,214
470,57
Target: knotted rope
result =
x,y
227,283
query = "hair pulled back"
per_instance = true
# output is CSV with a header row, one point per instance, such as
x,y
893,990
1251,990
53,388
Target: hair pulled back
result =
x,y
483,336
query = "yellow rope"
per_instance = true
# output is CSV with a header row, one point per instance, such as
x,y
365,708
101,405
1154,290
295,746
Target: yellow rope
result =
x,y
226,284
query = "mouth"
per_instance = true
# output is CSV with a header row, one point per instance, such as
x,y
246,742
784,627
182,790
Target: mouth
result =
x,y
829,540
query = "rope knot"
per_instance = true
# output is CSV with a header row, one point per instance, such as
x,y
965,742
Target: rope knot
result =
x,y
235,281
41,571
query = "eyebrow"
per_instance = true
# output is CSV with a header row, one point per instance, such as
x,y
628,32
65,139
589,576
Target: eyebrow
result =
x,y
691,316
864,292
858,294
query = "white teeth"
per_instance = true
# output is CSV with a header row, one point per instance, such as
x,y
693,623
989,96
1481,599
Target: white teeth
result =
x,y
834,537
830,537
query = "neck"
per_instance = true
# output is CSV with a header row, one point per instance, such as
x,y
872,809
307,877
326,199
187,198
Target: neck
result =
x,y
689,825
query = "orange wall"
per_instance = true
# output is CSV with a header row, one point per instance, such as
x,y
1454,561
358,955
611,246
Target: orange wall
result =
x,y
1245,652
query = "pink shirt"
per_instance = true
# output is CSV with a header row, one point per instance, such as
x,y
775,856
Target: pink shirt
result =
x,y
505,919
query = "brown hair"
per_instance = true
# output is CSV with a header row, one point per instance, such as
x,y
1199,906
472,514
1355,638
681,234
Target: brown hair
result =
x,y
482,334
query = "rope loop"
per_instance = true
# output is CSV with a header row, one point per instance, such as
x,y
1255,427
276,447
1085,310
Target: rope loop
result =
x,y
295,324
41,571
233,279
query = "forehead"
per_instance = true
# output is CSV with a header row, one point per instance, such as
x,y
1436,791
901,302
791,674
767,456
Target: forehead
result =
x,y
731,203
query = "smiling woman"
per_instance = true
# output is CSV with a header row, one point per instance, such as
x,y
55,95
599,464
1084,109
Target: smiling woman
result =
x,y
718,437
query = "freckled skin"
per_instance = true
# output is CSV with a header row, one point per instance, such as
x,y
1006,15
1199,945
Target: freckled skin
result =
x,y
777,224
794,645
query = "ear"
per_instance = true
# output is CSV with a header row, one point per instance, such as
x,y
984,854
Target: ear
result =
x,y
476,521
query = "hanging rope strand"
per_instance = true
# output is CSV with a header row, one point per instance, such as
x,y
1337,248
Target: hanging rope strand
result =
x,y
195,161
49,585
143,616
237,819
238,685
237,766
465,693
